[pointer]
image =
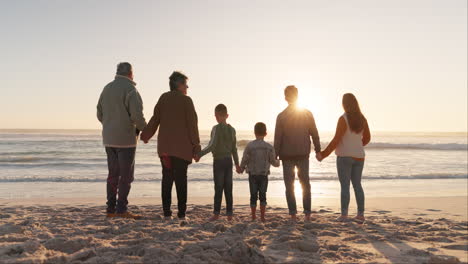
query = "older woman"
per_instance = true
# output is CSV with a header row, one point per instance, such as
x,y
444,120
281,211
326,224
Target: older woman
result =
x,y
178,140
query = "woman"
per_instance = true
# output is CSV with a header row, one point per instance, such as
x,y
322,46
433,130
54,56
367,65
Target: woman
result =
x,y
178,141
352,134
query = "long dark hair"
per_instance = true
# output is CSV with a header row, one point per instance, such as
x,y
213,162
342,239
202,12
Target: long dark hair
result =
x,y
355,118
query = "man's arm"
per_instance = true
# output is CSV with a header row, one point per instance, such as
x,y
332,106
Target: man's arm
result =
x,y
153,124
278,136
315,135
135,108
99,109
192,125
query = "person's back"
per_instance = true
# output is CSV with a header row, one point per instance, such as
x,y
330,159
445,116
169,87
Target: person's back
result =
x,y
120,112
258,156
294,127
351,144
223,141
178,133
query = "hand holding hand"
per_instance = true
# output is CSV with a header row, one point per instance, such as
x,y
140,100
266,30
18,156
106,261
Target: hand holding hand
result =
x,y
319,156
238,169
196,158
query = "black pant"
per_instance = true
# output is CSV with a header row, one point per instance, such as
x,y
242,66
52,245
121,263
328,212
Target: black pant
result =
x,y
222,176
121,164
178,174
258,185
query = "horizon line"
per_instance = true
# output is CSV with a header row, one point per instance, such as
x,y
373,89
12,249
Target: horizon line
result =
x,y
208,129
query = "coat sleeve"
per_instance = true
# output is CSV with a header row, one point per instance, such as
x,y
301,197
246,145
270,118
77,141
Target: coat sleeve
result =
x,y
314,133
135,109
192,125
235,155
99,109
278,136
153,124
211,144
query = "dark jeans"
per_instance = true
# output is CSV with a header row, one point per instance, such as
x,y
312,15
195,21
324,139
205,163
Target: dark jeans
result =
x,y
350,169
178,174
258,185
222,176
289,176
121,164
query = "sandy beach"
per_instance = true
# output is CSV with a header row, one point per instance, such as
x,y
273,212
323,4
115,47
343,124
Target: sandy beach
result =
x,y
416,230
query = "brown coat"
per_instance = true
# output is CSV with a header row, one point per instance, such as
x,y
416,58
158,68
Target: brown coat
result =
x,y
178,134
294,128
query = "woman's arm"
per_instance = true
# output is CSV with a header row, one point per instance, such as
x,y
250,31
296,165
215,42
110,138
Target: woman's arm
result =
x,y
366,136
340,131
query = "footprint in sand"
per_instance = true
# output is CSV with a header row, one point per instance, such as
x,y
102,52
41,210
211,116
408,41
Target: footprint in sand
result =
x,y
433,210
457,247
381,211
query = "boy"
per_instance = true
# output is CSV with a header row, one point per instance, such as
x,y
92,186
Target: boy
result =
x,y
258,155
223,147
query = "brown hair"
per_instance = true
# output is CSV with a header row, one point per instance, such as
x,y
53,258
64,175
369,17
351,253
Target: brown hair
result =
x,y
260,129
356,119
291,93
221,108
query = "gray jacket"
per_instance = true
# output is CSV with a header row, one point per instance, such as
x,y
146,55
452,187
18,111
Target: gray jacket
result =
x,y
120,110
258,155
294,128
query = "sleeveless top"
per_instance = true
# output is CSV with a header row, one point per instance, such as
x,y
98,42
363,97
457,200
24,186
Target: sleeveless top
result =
x,y
350,144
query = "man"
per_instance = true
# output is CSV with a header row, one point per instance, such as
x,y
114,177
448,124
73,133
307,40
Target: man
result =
x,y
294,127
120,110
178,140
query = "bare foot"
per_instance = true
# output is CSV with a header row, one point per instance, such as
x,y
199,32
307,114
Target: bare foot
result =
x,y
360,218
262,219
254,217
309,218
213,218
342,218
293,218
229,217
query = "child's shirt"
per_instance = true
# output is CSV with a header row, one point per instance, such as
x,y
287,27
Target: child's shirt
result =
x,y
258,155
222,143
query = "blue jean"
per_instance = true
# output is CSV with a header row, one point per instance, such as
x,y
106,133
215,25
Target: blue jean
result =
x,y
289,176
121,164
350,170
222,176
258,185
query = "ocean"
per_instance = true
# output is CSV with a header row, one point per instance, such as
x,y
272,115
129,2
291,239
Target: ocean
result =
x,y
44,157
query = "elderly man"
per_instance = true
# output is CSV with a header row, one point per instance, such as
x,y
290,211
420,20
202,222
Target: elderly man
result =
x,y
120,110
178,140
294,128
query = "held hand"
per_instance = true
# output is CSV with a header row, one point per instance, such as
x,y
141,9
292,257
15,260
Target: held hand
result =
x,y
196,158
238,169
319,156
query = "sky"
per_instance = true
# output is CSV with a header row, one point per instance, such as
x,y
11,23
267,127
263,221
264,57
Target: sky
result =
x,y
406,61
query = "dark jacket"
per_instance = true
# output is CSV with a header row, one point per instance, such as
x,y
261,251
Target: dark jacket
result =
x,y
178,133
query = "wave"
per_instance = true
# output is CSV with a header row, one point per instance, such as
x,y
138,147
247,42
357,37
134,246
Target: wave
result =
x,y
243,179
387,145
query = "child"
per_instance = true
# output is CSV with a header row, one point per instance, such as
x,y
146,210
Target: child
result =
x,y
258,155
223,147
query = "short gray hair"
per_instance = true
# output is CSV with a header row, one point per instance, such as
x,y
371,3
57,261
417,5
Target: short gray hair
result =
x,y
124,68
